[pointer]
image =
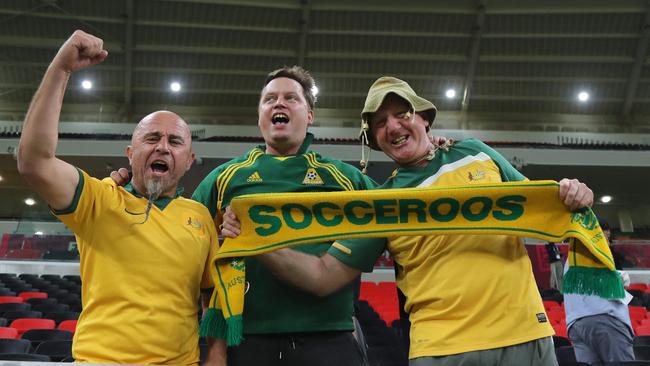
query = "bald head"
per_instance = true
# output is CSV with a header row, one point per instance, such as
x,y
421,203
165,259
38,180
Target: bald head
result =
x,y
160,152
163,117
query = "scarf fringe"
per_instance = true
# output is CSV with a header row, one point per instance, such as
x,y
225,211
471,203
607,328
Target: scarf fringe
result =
x,y
213,324
234,330
593,281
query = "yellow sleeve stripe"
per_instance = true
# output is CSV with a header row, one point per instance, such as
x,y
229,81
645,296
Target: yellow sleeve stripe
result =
x,y
338,176
342,248
225,177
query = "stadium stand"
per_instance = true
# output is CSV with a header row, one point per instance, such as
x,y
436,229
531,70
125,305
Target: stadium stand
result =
x,y
8,345
56,350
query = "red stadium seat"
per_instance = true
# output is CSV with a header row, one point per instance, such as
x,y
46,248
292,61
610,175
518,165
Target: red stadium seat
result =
x,y
8,332
5,299
556,315
642,330
637,312
560,330
550,304
32,295
69,325
637,286
22,325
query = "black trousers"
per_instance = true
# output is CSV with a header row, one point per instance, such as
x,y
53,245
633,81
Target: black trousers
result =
x,y
297,349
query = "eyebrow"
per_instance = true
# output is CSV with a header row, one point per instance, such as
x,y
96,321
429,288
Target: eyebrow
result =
x,y
159,135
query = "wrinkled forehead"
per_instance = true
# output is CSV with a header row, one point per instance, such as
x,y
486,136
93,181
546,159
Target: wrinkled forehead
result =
x,y
164,124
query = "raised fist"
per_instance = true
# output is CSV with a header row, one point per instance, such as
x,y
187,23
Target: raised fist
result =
x,y
79,51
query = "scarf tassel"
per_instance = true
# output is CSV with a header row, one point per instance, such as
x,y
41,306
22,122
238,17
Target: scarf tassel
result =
x,y
234,325
213,324
593,281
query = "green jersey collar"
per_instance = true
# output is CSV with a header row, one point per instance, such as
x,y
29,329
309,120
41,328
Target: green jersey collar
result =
x,y
161,202
303,148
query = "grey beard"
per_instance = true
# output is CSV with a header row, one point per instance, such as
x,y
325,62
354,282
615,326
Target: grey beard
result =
x,y
154,189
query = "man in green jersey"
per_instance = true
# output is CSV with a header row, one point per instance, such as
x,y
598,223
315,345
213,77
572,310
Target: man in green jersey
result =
x,y
471,299
284,325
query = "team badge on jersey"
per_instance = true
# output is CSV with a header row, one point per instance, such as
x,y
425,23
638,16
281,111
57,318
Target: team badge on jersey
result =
x,y
477,175
312,177
195,223
254,178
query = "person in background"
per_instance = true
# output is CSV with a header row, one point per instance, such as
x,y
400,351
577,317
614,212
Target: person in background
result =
x,y
600,329
555,265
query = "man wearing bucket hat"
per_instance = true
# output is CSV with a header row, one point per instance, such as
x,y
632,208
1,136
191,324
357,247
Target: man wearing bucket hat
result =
x,y
471,299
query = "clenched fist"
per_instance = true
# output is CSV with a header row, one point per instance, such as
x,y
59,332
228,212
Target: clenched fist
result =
x,y
79,51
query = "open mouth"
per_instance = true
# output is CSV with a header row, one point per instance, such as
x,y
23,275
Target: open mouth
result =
x,y
279,118
159,167
399,141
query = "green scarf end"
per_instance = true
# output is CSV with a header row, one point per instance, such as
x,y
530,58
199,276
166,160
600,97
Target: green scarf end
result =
x,y
235,325
593,281
213,324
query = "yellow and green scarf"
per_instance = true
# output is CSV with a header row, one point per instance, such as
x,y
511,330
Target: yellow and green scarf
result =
x,y
527,209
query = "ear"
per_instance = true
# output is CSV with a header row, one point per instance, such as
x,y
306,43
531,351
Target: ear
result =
x,y
129,153
310,118
190,160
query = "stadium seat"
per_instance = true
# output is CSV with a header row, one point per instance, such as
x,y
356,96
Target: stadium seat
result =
x,y
10,299
32,294
565,354
550,304
41,335
23,325
8,345
74,278
14,306
51,277
637,286
8,332
27,276
23,357
37,301
560,341
58,351
13,315
58,317
642,330
642,353
6,292
637,312
560,330
51,308
69,325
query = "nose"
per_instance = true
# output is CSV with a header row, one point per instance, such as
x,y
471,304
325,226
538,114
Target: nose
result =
x,y
393,123
163,146
279,102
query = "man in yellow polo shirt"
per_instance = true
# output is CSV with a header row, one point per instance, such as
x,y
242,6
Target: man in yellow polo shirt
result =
x,y
144,250
472,300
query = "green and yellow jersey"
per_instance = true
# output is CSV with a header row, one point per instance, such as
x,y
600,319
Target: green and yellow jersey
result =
x,y
272,306
463,292
141,281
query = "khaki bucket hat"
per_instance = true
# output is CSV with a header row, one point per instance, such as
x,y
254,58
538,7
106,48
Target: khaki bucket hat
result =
x,y
378,92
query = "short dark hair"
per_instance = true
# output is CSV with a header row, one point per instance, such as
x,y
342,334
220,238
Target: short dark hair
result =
x,y
300,75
